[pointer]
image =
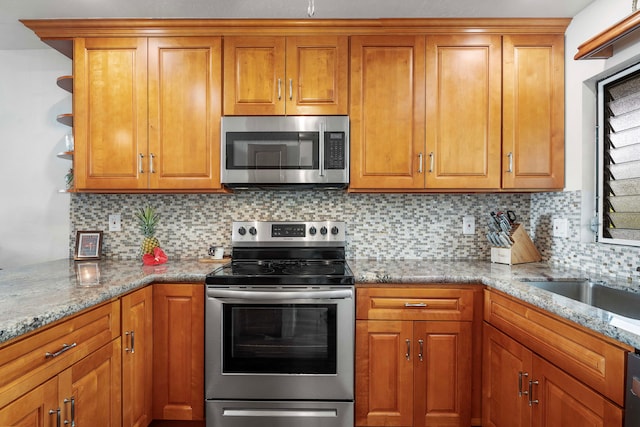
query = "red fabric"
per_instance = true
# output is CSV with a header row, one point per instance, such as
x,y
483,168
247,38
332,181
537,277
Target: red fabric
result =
x,y
158,257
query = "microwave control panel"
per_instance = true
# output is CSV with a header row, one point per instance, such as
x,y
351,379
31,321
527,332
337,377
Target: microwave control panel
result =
x,y
334,150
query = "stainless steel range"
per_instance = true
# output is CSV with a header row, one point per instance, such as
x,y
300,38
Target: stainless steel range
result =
x,y
279,347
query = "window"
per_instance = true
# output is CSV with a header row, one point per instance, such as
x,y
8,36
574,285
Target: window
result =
x,y
618,195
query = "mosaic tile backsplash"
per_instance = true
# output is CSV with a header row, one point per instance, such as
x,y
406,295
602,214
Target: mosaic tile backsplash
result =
x,y
379,226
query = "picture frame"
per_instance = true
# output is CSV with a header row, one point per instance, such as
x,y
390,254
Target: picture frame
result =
x,y
88,245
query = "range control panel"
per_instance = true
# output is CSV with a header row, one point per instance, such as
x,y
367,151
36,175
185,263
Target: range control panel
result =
x,y
276,232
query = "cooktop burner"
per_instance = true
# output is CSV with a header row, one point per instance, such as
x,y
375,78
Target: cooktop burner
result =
x,y
285,253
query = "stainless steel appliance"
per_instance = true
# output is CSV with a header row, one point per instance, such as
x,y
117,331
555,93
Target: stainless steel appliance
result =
x,y
279,346
285,151
632,400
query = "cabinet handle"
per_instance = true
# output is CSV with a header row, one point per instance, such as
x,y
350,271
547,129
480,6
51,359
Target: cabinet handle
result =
x,y
407,355
71,400
140,163
520,391
151,168
290,89
279,89
131,336
420,161
57,412
414,304
65,347
420,353
536,401
510,168
431,156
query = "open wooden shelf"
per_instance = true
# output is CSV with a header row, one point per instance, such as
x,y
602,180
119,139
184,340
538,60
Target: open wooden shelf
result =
x,y
66,83
65,119
601,45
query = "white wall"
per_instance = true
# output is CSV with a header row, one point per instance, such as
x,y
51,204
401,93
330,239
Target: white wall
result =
x,y
580,78
34,217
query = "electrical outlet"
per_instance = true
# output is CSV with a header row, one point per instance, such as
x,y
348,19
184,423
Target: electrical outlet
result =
x,y
469,224
560,227
115,223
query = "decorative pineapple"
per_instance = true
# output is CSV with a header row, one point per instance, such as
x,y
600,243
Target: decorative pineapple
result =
x,y
148,219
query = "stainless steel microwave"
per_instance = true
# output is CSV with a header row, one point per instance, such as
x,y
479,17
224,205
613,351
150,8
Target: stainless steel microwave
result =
x,y
285,151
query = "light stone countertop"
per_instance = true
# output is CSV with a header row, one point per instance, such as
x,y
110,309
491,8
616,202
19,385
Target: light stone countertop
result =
x,y
37,295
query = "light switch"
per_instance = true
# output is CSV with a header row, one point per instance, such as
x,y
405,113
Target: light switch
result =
x,y
469,224
560,227
115,222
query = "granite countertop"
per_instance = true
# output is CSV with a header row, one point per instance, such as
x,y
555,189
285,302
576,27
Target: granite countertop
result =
x,y
36,295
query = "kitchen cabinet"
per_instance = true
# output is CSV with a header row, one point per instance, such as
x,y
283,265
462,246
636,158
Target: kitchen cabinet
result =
x,y
147,113
522,389
533,112
485,113
72,367
414,356
463,112
178,356
277,75
387,112
137,353
541,370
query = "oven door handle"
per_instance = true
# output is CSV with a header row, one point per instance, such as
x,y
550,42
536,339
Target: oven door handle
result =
x,y
280,295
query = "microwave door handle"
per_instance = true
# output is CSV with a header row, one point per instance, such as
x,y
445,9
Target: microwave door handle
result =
x,y
277,295
322,129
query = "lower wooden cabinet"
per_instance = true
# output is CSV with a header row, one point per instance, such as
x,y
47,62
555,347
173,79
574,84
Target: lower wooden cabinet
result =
x,y
414,372
178,356
137,353
522,389
37,408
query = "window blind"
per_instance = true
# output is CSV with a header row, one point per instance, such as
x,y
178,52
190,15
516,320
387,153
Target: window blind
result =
x,y
619,198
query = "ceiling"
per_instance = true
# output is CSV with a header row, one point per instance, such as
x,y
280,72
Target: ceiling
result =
x,y
13,35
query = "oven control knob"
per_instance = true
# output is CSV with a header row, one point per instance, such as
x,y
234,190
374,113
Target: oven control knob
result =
x,y
242,231
313,230
253,231
323,230
334,230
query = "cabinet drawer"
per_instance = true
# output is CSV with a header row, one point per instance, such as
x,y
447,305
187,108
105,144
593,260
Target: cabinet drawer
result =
x,y
391,303
593,360
29,362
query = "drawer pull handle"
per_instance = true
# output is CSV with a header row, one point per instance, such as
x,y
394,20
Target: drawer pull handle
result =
x,y
420,353
407,355
57,412
131,334
65,347
414,304
71,400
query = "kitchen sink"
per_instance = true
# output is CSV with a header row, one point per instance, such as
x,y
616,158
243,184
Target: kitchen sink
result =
x,y
617,301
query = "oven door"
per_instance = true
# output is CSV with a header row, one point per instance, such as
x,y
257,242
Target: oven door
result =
x,y
279,344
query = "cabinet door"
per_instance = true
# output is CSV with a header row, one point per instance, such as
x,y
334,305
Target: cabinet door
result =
x,y
533,112
442,378
384,373
184,112
90,389
37,408
254,76
560,400
137,358
178,343
507,369
387,112
463,107
317,75
110,113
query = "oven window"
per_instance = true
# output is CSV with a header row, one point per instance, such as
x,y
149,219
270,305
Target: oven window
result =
x,y
272,150
279,338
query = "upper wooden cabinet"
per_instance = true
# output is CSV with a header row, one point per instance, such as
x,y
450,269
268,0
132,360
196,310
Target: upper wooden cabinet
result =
x,y
463,112
533,112
286,75
387,112
147,113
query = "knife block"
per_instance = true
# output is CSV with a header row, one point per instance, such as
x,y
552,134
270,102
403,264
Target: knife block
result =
x,y
522,251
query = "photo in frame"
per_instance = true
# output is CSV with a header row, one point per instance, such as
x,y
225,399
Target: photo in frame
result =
x,y
88,245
